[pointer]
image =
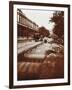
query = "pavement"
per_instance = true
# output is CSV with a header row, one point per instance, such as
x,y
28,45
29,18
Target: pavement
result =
x,y
38,52
24,46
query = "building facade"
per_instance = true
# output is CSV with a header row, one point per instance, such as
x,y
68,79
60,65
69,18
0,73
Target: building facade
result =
x,y
25,27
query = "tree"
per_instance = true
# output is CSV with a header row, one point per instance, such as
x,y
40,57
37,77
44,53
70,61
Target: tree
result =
x,y
43,31
58,19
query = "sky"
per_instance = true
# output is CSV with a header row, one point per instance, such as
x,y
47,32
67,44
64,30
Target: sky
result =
x,y
40,17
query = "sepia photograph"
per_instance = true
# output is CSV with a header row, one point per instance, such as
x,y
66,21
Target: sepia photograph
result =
x,y
40,44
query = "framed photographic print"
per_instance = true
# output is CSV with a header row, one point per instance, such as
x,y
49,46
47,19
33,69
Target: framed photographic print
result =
x,y
39,44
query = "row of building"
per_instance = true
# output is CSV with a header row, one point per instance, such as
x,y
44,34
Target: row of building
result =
x,y
25,26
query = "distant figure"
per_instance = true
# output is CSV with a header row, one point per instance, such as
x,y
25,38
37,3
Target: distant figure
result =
x,y
45,39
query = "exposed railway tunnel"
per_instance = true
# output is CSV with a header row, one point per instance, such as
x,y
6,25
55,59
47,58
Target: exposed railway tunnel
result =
x,y
41,62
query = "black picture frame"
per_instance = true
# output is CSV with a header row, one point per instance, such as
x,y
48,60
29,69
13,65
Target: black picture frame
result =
x,y
11,47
